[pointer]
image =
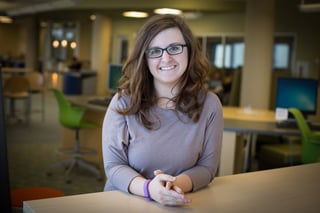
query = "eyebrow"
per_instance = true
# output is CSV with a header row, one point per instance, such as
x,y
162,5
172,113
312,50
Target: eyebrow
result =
x,y
175,43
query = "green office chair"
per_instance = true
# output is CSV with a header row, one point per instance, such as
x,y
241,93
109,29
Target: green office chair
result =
x,y
310,140
72,118
306,151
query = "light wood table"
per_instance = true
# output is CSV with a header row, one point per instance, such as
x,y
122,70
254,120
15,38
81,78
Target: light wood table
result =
x,y
15,70
244,124
291,189
91,137
248,114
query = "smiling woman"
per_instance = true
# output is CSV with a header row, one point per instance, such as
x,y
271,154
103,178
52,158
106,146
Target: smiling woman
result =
x,y
161,113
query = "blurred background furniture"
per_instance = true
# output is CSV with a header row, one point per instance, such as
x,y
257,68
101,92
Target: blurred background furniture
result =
x,y
17,88
306,150
235,91
72,118
18,195
37,86
310,139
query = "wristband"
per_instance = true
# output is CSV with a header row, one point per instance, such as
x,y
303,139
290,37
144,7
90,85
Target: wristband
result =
x,y
146,189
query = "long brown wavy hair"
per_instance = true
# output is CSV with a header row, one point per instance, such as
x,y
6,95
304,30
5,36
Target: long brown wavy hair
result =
x,y
137,81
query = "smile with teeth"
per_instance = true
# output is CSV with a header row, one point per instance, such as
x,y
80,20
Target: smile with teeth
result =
x,y
168,68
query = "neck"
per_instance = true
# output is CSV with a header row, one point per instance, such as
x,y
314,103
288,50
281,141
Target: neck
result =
x,y
165,95
165,103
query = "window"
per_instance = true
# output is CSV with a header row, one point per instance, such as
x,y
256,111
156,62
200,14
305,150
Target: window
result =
x,y
228,51
225,52
283,52
280,56
63,41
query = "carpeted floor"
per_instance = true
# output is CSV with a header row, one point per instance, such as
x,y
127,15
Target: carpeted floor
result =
x,y
32,149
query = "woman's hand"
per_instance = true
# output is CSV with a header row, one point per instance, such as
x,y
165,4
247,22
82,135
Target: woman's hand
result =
x,y
162,190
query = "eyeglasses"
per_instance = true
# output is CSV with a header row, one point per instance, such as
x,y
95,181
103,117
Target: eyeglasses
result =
x,y
157,52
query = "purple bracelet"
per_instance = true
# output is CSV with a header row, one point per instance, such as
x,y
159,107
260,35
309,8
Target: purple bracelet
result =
x,y
146,189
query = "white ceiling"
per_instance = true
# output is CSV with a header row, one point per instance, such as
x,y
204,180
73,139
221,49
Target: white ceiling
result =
x,y
23,7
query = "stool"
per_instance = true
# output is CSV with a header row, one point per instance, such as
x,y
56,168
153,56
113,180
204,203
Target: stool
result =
x,y
19,195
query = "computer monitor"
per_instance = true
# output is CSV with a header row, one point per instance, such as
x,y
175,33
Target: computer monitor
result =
x,y
300,93
114,74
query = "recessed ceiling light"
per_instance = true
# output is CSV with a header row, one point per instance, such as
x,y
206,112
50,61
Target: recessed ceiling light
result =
x,y
5,19
135,14
93,17
168,11
192,15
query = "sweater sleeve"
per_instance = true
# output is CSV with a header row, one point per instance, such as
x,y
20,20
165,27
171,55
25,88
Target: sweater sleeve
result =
x,y
115,141
205,169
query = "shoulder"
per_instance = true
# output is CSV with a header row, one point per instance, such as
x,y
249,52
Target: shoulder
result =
x,y
212,104
212,100
119,102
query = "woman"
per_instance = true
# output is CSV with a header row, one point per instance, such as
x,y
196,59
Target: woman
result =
x,y
162,131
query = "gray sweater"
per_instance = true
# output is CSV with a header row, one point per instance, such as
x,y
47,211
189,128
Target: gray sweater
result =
x,y
177,146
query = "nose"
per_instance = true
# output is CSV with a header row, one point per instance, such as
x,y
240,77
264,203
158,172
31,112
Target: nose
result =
x,y
165,56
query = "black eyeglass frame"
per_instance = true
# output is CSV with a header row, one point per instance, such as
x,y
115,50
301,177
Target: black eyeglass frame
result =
x,y
165,49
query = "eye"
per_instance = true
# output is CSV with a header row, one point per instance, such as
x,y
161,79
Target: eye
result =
x,y
174,48
154,51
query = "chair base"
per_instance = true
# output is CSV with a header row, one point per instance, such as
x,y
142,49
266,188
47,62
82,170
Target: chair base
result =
x,y
71,164
13,118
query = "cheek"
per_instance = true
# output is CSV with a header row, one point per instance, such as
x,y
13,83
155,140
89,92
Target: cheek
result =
x,y
151,64
184,61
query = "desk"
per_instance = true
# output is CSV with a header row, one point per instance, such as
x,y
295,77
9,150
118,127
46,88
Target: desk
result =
x,y
83,101
248,114
87,80
15,70
90,138
248,122
291,189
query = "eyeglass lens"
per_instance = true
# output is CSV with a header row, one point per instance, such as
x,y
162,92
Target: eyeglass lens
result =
x,y
171,50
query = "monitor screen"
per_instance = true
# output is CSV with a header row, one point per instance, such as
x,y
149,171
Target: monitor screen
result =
x,y
299,93
114,74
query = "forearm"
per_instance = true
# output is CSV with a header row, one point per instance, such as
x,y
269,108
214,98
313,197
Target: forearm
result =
x,y
183,182
136,186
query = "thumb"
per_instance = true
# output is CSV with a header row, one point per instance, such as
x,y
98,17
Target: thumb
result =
x,y
157,172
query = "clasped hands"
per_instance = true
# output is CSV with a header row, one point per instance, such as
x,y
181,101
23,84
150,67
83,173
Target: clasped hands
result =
x,y
163,190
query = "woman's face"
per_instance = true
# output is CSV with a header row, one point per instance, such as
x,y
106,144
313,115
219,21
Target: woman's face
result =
x,y
167,69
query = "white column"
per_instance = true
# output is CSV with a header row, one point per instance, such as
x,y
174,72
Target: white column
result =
x,y
32,42
259,33
101,39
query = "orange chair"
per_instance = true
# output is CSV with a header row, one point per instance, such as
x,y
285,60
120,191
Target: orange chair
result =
x,y
18,195
17,88
37,86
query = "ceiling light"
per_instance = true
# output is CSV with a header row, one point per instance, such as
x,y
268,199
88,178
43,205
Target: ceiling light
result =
x,y
135,14
5,19
93,17
42,7
168,11
192,15
309,7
